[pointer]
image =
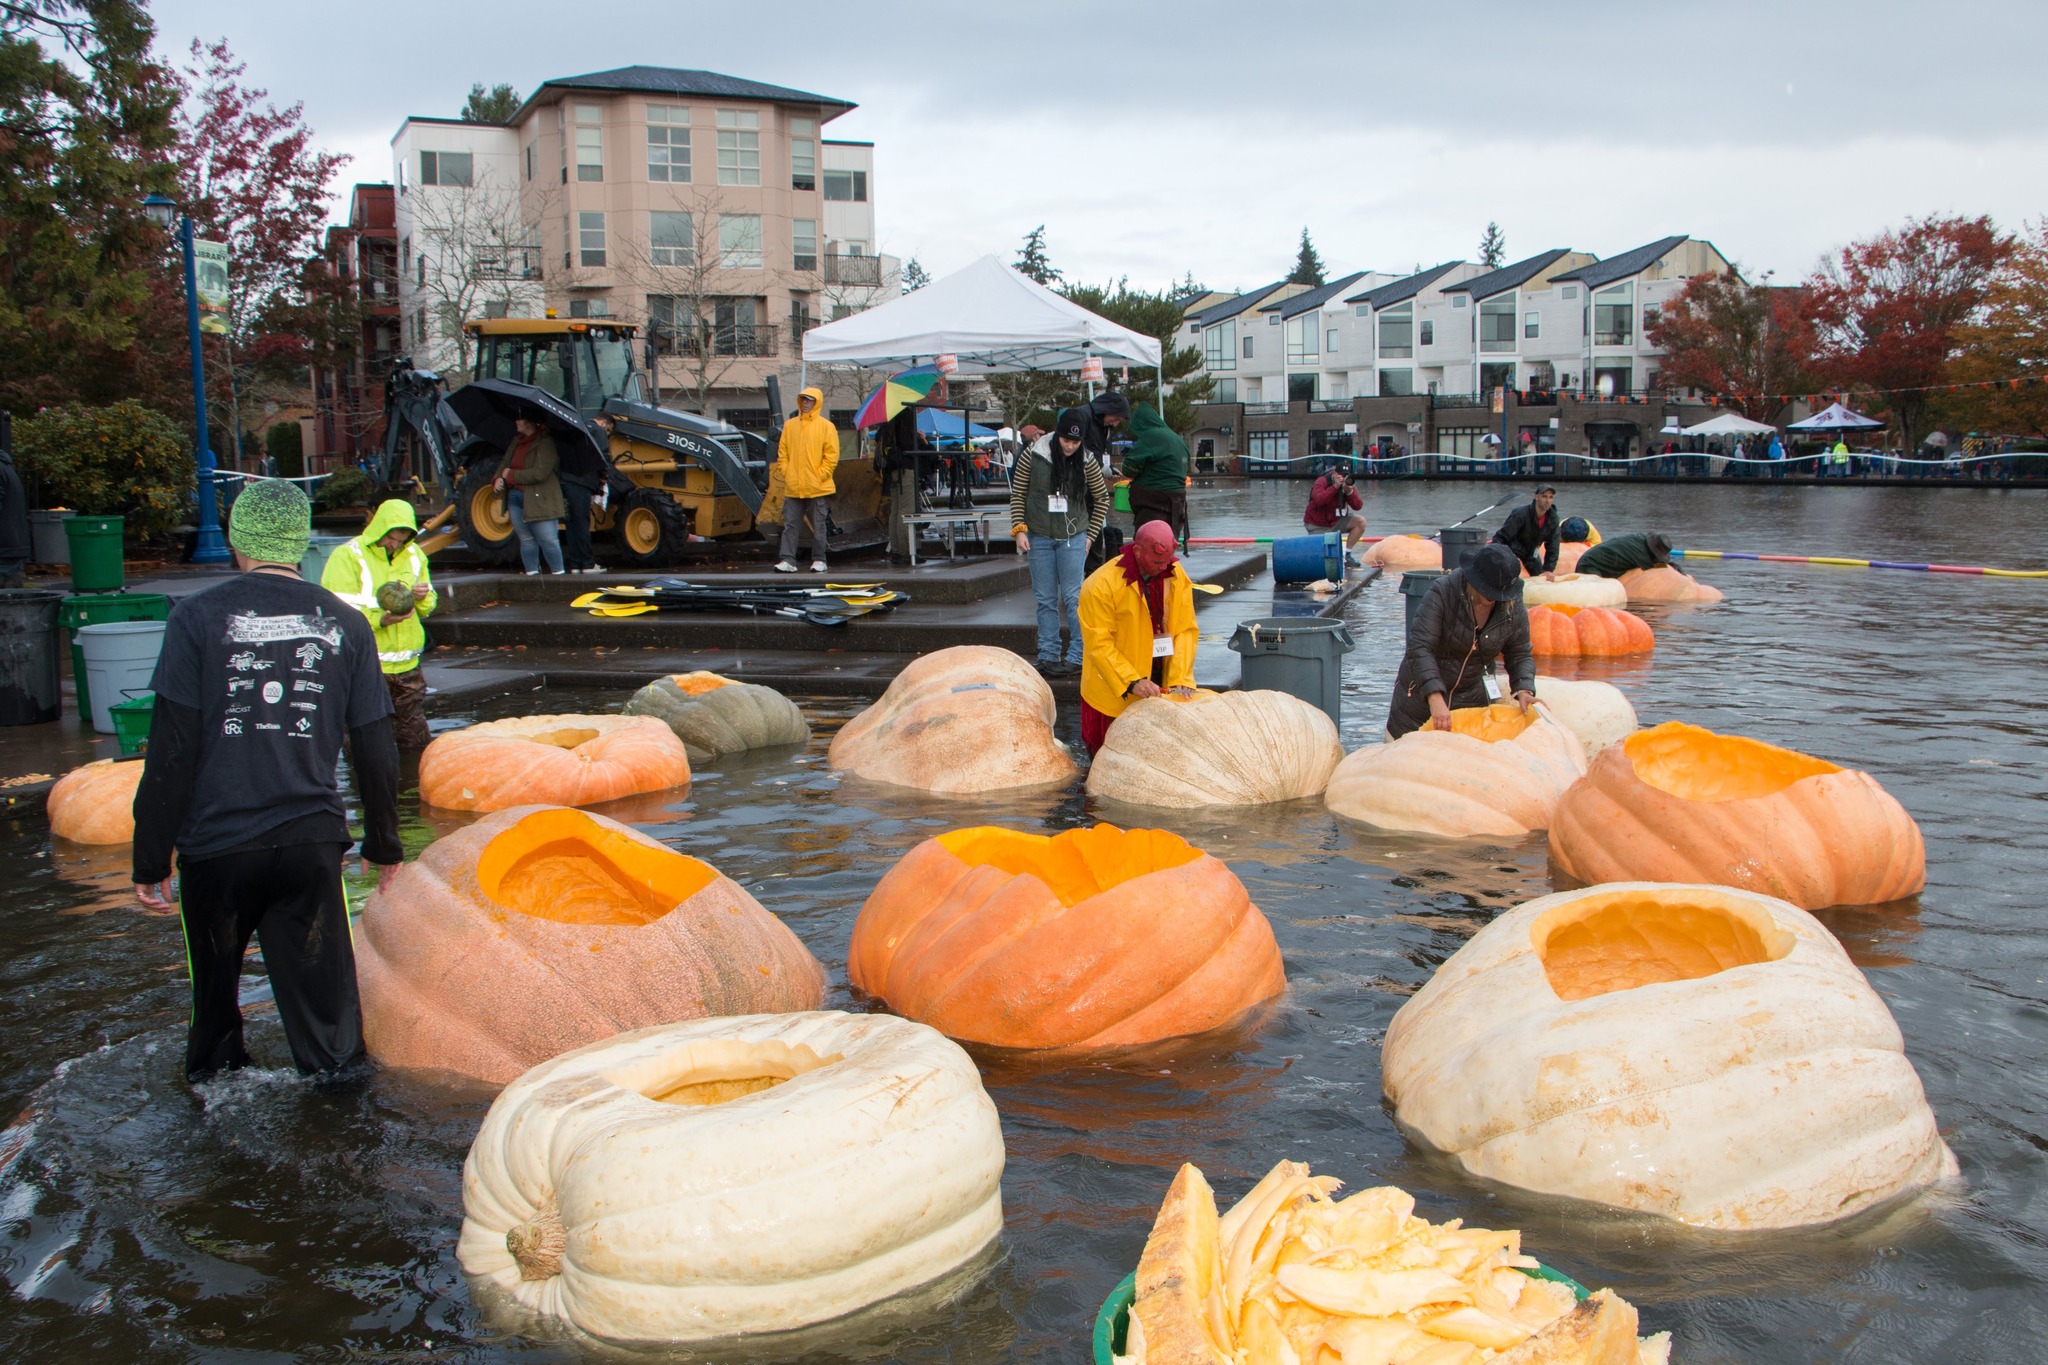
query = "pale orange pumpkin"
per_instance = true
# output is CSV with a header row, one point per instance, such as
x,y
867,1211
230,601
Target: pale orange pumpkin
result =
x,y
1404,552
972,718
541,929
553,760
1666,584
1496,773
1092,938
1677,803
1588,632
95,804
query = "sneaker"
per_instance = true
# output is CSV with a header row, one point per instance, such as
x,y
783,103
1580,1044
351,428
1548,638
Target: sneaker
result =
x,y
817,566
784,566
594,568
1353,560
533,573
1050,668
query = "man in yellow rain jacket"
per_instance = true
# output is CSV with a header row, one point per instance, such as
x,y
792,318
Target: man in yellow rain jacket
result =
x,y
808,454
1137,631
385,554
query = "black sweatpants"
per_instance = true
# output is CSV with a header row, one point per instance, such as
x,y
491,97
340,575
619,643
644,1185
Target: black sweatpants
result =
x,y
291,899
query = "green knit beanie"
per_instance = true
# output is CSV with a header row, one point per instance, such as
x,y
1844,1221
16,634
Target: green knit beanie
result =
x,y
272,522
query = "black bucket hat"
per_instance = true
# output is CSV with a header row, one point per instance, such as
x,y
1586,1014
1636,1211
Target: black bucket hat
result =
x,y
1496,572
1072,424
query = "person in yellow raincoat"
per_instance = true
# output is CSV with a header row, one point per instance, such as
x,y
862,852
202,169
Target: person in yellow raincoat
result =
x,y
808,454
1137,631
356,572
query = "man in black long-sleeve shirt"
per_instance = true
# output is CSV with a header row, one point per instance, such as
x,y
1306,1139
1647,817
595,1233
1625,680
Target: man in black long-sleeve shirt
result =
x,y
259,681
1531,531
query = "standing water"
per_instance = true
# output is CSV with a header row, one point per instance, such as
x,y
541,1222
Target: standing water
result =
x,y
259,1220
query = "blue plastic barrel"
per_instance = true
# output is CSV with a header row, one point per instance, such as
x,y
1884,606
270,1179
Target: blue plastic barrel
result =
x,y
1304,559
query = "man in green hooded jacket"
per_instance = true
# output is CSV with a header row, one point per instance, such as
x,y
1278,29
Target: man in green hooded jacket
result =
x,y
359,573
1158,470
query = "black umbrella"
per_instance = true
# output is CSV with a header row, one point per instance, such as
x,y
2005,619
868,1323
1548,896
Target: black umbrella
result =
x,y
487,407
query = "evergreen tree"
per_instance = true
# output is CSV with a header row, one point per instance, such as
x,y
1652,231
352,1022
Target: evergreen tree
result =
x,y
1032,262
1308,266
915,276
1493,247
496,105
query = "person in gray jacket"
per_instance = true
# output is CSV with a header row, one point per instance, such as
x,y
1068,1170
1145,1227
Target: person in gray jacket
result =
x,y
1059,501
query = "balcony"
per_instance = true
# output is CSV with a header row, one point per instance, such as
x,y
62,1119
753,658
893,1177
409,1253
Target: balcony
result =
x,y
508,263
711,339
1263,409
1330,405
855,270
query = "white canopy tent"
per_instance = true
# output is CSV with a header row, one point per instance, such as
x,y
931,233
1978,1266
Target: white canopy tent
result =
x,y
1730,424
1837,418
990,317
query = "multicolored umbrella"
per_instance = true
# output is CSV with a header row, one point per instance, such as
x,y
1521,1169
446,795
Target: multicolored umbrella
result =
x,y
897,393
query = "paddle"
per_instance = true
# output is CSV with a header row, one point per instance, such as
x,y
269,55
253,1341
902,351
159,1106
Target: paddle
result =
x,y
1480,513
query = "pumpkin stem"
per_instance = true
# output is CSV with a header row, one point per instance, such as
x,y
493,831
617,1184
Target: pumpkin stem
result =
x,y
537,1244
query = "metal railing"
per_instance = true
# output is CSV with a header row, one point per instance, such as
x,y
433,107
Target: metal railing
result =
x,y
861,270
710,338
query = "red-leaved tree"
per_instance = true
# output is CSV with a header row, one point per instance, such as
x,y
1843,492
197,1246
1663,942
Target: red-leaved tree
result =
x,y
1748,343
1886,312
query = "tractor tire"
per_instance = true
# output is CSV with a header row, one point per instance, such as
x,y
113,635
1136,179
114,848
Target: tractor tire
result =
x,y
480,512
651,528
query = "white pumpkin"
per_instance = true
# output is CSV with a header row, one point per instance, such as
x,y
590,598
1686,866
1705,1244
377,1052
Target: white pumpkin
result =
x,y
1574,590
1702,1053
747,1174
1598,713
972,718
1216,749
1499,775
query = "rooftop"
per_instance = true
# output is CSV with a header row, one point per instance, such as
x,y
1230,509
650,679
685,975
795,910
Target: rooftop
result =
x,y
1508,276
1622,266
1389,294
668,80
1317,297
1231,307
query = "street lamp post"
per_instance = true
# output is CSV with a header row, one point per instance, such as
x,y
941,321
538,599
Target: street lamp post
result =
x,y
208,547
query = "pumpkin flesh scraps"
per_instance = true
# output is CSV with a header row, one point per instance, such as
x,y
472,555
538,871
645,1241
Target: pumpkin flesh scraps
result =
x,y
1604,943
1074,865
697,684
561,865
562,739
1694,764
715,1071
1492,724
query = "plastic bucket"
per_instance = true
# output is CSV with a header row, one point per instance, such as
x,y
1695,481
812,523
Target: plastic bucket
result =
x,y
1304,559
1415,585
1120,495
319,550
46,541
131,723
120,656
1302,656
95,553
94,609
1460,543
31,689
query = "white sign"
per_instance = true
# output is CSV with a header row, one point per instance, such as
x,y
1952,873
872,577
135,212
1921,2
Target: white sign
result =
x,y
1351,428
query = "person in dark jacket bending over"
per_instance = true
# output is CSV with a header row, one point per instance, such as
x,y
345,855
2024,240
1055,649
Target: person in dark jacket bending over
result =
x,y
1532,533
1471,617
1105,412
260,679
1616,555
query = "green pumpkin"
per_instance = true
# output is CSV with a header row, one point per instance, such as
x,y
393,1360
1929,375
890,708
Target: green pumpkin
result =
x,y
713,715
395,596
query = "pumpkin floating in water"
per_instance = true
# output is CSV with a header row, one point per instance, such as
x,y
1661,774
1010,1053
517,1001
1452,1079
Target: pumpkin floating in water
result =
x,y
537,930
1216,749
95,804
1597,712
551,760
714,715
1573,590
1666,584
1497,773
1568,553
733,1176
1588,632
1093,938
1702,1053
972,718
1677,803
1404,552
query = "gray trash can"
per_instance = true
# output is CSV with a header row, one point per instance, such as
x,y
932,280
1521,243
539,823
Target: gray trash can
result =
x,y
1302,656
46,539
1460,542
1415,585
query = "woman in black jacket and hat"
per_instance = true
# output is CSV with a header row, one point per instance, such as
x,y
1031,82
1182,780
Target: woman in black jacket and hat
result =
x,y
1470,617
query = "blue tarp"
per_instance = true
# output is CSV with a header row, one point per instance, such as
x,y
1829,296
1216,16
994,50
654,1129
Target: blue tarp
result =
x,y
938,422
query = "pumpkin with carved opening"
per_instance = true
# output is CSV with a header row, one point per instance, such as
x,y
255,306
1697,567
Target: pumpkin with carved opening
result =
x,y
551,760
732,1176
1497,772
540,929
712,714
1701,1053
1092,938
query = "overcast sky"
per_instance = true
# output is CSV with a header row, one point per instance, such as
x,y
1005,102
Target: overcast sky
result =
x,y
1154,139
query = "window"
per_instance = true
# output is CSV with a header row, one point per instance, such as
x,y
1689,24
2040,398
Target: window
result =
x,y
1330,341
589,142
1328,441
1496,375
1429,334
1301,388
445,168
1254,391
1460,300
405,255
495,309
1611,379
1273,320
803,154
1532,324
735,327
590,238
1649,321
1363,310
800,318
1497,324
1302,335
673,238
423,269
562,141
1226,391
1248,349
1267,447
854,248
590,308
739,148
668,144
847,186
803,236
529,161
1396,383
1397,333
1571,291
1464,442
1339,386
1614,316
739,241
1219,347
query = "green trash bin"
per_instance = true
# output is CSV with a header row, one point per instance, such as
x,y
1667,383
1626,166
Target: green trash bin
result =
x,y
96,609
95,553
1302,656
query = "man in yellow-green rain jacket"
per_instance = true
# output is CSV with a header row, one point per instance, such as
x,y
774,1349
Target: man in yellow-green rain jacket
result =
x,y
385,553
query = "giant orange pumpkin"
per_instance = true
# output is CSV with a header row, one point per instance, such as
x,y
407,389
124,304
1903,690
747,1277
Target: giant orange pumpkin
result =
x,y
1666,584
972,718
1568,554
1405,552
1496,773
1677,803
1588,632
1092,938
541,929
95,804
551,760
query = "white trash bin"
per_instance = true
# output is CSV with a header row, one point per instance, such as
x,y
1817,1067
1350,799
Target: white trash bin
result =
x,y
120,657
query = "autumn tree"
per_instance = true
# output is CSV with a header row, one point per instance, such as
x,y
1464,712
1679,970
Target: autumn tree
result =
x,y
1308,265
2007,346
1032,262
1887,312
1493,247
496,105
1748,343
